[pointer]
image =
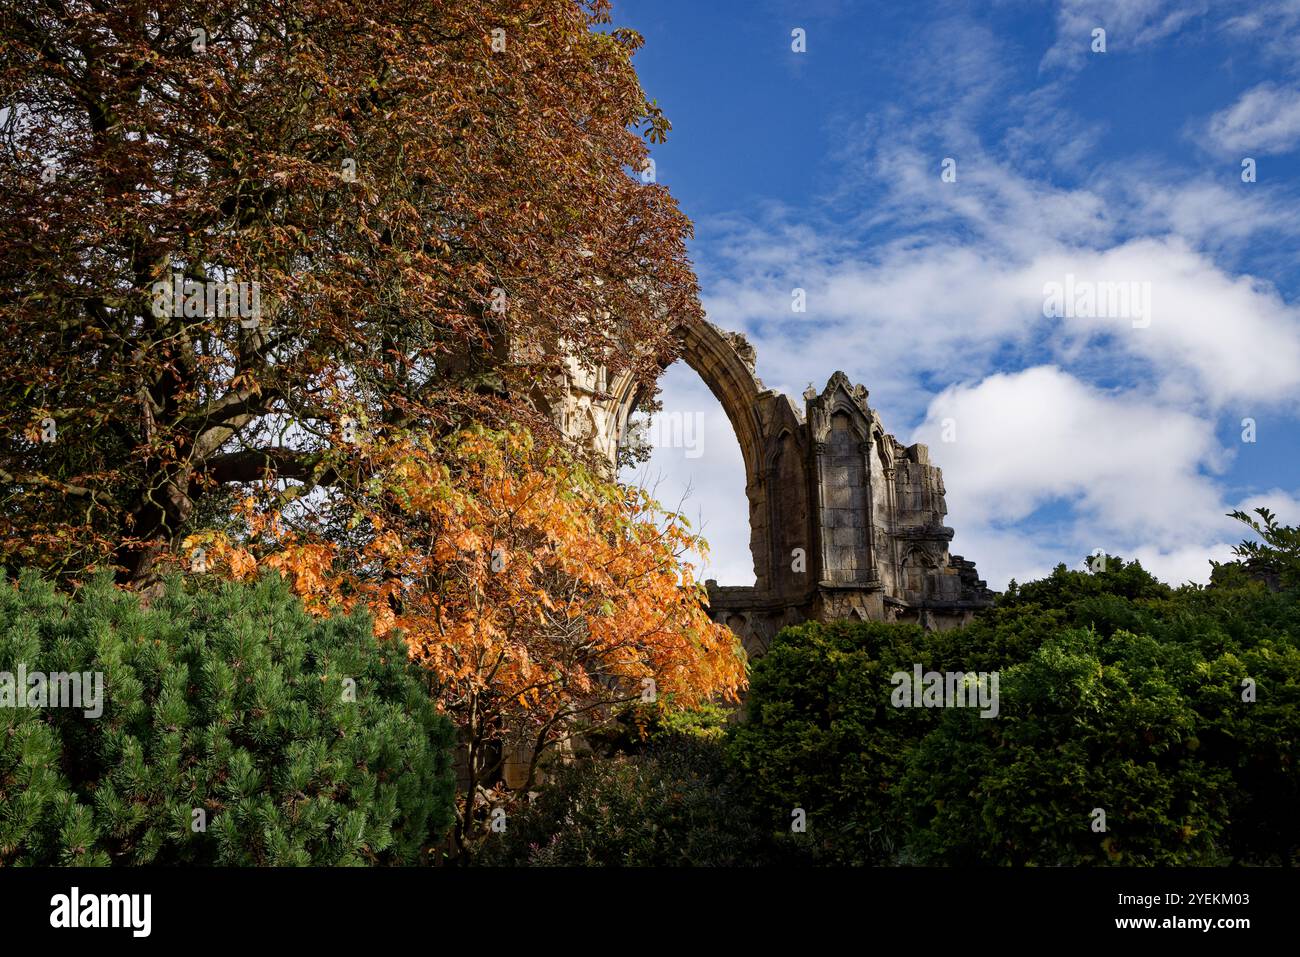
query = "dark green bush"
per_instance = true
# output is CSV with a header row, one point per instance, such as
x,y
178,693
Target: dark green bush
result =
x,y
821,737
1116,692
1086,723
233,704
670,804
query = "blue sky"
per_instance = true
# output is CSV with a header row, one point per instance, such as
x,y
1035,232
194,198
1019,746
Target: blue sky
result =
x,y
821,170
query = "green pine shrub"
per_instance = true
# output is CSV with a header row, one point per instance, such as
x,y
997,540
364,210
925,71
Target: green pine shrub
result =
x,y
233,703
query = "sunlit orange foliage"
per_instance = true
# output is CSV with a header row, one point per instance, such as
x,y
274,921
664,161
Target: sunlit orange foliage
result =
x,y
539,595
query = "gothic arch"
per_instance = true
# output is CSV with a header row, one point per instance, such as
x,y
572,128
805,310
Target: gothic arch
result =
x,y
725,362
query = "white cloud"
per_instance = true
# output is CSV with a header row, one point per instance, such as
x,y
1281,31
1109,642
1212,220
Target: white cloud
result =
x,y
1272,29
1190,563
1264,120
1137,477
950,311
1212,338
1129,25
1128,464
1206,214
1003,554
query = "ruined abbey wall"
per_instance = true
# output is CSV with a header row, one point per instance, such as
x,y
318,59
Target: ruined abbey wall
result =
x,y
845,521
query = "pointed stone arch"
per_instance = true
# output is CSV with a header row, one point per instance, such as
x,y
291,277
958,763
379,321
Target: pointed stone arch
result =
x,y
759,417
724,361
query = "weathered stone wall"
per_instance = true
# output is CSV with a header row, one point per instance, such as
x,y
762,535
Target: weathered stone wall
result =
x,y
845,521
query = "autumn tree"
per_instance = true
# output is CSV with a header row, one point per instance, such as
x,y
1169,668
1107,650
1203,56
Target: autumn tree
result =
x,y
240,241
540,596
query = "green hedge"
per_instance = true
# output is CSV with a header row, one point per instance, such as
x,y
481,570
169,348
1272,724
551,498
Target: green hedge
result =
x,y
1116,692
300,740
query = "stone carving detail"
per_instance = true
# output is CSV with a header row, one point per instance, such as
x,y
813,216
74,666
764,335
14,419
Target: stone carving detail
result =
x,y
866,511
743,348
819,423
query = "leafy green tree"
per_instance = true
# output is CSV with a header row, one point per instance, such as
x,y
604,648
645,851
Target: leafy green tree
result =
x,y
1174,711
1088,725
1278,555
821,736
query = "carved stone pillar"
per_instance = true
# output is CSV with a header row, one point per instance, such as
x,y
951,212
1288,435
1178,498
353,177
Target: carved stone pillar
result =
x,y
871,573
891,512
775,527
823,545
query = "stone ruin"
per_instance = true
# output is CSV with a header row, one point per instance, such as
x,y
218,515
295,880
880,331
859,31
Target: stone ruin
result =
x,y
845,521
